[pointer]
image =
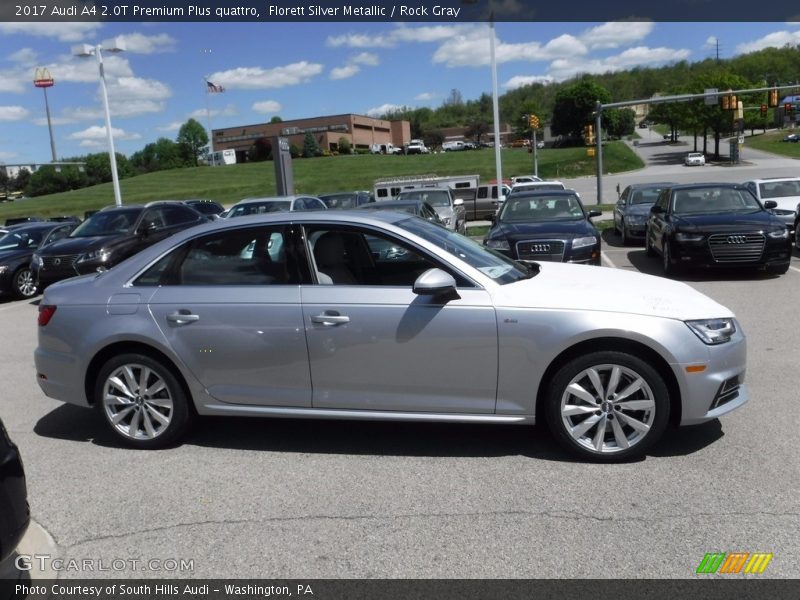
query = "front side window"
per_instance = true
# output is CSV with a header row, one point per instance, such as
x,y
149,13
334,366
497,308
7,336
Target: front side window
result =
x,y
238,257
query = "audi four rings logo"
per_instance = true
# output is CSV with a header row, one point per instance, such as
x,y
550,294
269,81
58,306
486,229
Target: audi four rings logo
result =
x,y
540,247
737,239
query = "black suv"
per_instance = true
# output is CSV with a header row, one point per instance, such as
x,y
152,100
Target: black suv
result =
x,y
109,237
14,512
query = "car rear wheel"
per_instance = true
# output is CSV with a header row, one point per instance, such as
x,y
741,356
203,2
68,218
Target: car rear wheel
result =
x,y
24,284
607,406
142,401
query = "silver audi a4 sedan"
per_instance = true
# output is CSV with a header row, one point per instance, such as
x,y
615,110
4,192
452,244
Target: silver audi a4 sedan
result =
x,y
381,315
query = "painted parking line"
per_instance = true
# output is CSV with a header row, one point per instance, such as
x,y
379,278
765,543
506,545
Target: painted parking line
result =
x,y
794,269
605,258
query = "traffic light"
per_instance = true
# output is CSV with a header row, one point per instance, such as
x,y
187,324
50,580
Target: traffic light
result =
x,y
788,108
730,102
588,134
763,110
533,122
773,98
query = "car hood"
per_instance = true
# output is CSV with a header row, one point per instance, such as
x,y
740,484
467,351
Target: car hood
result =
x,y
728,222
639,209
580,287
546,228
78,245
9,255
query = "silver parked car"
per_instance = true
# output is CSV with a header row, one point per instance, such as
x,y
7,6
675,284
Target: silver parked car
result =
x,y
382,315
449,208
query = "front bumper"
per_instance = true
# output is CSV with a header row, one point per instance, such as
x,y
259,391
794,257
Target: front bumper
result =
x,y
775,253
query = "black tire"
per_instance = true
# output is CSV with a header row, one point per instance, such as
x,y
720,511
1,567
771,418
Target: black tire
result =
x,y
670,268
797,236
170,402
648,249
624,235
778,270
616,229
649,416
24,284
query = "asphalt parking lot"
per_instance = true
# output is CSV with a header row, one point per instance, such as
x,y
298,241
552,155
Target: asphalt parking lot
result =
x,y
314,499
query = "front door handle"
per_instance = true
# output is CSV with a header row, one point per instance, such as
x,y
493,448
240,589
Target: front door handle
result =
x,y
182,318
330,318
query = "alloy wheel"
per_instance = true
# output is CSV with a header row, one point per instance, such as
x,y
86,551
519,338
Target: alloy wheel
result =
x,y
24,284
137,402
608,408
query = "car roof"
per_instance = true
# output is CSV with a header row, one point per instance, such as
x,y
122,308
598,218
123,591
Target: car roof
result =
x,y
771,179
33,226
274,199
390,203
533,193
654,184
700,186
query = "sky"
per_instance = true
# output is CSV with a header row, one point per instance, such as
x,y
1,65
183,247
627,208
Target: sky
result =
x,y
300,70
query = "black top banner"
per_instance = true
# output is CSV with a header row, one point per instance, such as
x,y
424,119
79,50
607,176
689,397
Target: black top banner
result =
x,y
392,11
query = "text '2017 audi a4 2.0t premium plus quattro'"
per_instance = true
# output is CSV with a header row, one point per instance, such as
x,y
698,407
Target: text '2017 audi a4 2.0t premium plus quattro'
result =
x,y
305,315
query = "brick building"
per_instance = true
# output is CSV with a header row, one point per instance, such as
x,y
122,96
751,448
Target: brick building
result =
x,y
361,131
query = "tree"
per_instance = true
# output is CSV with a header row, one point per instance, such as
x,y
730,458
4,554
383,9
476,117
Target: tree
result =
x,y
261,150
193,137
619,122
454,99
476,129
344,146
433,139
310,146
21,181
574,106
276,119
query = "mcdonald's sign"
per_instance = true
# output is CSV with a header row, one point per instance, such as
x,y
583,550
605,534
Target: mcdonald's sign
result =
x,y
734,562
42,78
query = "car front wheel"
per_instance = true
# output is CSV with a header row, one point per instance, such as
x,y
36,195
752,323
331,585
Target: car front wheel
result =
x,y
624,234
648,249
24,284
607,406
142,401
797,236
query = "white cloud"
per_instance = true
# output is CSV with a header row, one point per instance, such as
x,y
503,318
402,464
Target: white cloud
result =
x,y
369,59
471,49
201,113
617,33
63,31
400,35
95,136
344,72
42,121
139,43
13,113
266,106
383,109
711,42
15,82
174,126
255,78
23,56
776,39
520,80
564,68
359,40
77,70
425,96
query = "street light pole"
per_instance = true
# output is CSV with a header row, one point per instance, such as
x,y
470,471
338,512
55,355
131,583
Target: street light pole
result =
x,y
86,50
495,107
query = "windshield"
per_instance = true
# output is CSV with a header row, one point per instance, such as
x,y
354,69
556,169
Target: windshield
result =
x,y
107,223
340,200
645,196
17,241
259,208
779,189
714,200
410,208
541,207
499,268
432,197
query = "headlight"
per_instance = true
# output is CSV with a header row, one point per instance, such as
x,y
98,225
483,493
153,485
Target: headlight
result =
x,y
446,220
3,269
37,260
713,331
498,244
780,234
96,256
689,237
582,242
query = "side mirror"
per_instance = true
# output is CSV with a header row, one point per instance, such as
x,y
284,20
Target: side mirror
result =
x,y
770,204
434,282
595,213
458,202
656,209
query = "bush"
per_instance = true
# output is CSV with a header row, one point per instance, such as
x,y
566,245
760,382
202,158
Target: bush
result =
x,y
344,146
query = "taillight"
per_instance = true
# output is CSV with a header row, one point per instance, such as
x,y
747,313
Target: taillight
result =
x,y
46,312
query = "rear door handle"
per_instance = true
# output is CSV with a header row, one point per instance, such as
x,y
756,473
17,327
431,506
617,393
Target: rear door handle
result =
x,y
182,318
329,320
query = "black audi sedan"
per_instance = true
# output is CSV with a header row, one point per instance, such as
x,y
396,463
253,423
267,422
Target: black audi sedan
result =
x,y
633,208
14,511
110,236
545,226
17,245
716,225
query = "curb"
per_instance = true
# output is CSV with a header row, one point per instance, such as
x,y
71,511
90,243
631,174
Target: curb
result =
x,y
37,542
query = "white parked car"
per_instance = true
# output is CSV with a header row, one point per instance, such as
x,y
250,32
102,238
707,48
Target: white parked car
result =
x,y
695,159
785,192
417,147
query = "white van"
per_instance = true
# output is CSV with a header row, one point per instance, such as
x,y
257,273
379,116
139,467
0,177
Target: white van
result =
x,y
224,157
452,146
